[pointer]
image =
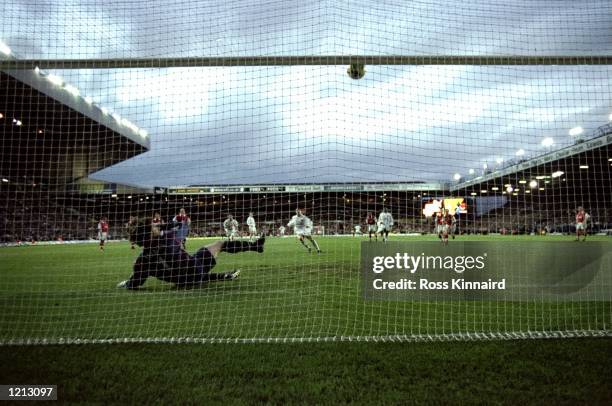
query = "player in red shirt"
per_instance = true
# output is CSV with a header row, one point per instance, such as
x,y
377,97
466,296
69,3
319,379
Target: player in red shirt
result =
x,y
581,223
448,220
157,221
440,223
102,231
371,222
185,222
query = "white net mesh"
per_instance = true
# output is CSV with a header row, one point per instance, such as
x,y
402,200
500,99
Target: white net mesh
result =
x,y
111,114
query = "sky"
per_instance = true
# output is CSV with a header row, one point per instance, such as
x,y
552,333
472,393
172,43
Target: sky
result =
x,y
241,125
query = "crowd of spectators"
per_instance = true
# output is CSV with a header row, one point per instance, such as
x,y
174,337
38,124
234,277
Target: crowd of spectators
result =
x,y
529,220
37,220
24,218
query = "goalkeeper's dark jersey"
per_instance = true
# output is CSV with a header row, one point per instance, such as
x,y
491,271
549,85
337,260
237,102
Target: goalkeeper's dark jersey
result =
x,y
164,258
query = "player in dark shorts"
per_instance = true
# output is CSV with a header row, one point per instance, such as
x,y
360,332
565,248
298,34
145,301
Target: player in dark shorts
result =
x,y
372,228
164,258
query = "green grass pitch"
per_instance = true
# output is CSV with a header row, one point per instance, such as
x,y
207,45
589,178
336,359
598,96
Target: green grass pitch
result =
x,y
69,291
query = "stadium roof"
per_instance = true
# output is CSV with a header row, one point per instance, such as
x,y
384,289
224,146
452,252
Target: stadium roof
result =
x,y
68,95
49,136
593,153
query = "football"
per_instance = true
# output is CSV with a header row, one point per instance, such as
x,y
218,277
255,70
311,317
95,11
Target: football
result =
x,y
356,70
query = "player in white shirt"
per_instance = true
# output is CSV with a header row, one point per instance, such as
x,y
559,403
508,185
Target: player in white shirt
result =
x,y
357,228
302,226
230,225
453,228
385,223
281,231
252,226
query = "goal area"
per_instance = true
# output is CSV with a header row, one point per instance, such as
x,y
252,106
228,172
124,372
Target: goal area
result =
x,y
308,171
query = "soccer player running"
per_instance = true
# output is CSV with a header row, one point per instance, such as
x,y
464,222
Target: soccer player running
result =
x,y
371,222
230,225
582,218
302,226
164,257
281,231
252,226
102,231
385,223
183,231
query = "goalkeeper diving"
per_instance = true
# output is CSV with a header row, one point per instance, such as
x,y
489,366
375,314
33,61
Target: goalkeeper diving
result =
x,y
164,257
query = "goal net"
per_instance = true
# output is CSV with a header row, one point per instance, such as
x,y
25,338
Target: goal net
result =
x,y
384,151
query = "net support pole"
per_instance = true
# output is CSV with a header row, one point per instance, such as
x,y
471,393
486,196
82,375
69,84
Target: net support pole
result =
x,y
305,60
